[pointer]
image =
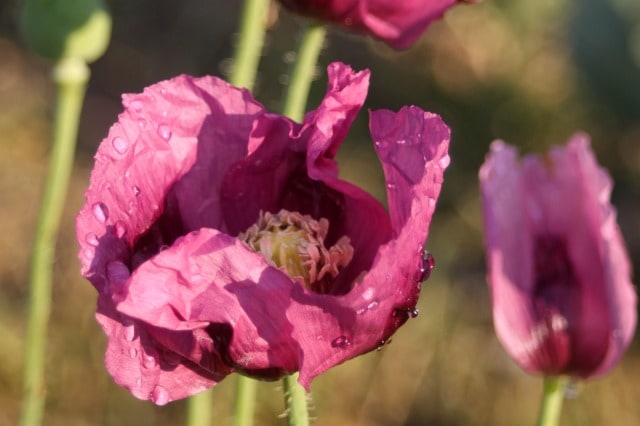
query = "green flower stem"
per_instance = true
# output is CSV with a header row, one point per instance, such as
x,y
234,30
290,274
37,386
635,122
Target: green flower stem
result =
x,y
304,68
295,103
253,25
247,55
552,397
245,401
199,409
295,401
71,77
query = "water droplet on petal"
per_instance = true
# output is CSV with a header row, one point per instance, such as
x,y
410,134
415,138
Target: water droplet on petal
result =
x,y
374,304
391,186
136,105
92,240
142,124
121,145
121,229
164,131
431,202
444,161
136,191
319,337
414,312
341,342
149,361
133,352
101,212
129,332
427,265
160,396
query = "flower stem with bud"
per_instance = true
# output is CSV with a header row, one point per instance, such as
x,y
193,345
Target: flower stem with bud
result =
x,y
71,76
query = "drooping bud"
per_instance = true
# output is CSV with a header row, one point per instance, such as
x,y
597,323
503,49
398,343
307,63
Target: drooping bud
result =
x,y
294,243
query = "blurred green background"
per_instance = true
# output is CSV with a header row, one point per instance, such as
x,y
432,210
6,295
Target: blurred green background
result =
x,y
528,72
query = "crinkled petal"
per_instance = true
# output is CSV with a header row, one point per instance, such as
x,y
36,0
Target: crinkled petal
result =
x,y
385,296
398,23
292,166
138,364
149,173
209,282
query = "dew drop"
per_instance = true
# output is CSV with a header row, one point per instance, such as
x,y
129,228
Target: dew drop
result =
x,y
374,304
136,191
444,161
149,361
142,124
414,312
361,311
391,186
88,254
159,395
431,201
319,337
164,131
133,352
92,240
121,145
136,105
341,342
121,229
427,265
129,332
101,212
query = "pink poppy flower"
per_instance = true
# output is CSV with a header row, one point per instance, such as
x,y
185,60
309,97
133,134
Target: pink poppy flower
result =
x,y
397,23
559,274
197,192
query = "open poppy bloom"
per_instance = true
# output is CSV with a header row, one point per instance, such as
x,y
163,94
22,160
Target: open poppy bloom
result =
x,y
397,23
563,302
220,238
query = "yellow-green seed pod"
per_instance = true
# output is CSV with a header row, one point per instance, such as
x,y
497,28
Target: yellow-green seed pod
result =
x,y
58,29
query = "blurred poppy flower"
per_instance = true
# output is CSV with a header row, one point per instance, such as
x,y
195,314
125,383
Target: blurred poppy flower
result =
x,y
559,274
397,23
220,238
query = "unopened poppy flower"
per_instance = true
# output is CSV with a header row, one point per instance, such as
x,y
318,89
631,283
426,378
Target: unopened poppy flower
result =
x,y
397,23
220,238
563,301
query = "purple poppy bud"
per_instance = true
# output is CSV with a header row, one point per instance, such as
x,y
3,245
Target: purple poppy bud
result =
x,y
559,274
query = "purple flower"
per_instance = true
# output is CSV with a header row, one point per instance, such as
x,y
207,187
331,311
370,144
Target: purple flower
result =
x,y
397,23
220,238
559,274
